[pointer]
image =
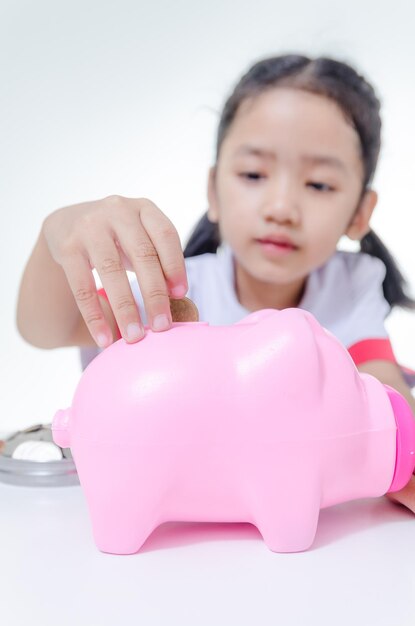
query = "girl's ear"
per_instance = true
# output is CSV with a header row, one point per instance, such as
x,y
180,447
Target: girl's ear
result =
x,y
359,226
213,214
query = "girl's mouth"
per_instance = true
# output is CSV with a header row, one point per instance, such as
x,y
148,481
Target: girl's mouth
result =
x,y
276,248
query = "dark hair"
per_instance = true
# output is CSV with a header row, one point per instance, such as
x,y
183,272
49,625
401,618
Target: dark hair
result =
x,y
357,100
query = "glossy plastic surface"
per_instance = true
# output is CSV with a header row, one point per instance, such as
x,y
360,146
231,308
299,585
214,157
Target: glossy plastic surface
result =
x,y
266,421
405,439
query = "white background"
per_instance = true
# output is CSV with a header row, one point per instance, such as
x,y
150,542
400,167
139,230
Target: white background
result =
x,y
123,97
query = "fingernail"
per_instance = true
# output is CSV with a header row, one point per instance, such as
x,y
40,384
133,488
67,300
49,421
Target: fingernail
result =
x,y
179,291
134,331
103,340
161,322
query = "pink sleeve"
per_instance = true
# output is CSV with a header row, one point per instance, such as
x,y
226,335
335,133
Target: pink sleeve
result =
x,y
371,349
379,349
103,293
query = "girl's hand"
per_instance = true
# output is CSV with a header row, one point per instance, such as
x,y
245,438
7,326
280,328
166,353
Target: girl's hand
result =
x,y
113,235
405,496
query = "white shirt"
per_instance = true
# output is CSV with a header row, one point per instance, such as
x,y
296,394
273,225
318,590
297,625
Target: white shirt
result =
x,y
345,294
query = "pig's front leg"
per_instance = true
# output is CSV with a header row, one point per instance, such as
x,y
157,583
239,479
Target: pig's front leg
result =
x,y
123,495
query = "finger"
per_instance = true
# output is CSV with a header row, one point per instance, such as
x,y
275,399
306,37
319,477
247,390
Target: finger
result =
x,y
146,264
166,241
105,257
82,284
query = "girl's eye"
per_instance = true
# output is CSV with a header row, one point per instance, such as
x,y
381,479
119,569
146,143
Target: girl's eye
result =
x,y
251,175
320,186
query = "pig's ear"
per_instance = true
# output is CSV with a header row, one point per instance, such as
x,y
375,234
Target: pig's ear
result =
x,y
258,316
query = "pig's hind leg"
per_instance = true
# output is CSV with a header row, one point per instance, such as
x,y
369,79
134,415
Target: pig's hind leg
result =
x,y
285,504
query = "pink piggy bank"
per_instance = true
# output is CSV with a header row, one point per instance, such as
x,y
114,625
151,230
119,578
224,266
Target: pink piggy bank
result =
x,y
266,421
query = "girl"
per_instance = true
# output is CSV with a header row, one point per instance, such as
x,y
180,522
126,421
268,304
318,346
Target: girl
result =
x,y
297,148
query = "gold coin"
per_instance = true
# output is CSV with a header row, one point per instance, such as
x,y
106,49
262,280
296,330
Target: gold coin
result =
x,y
183,310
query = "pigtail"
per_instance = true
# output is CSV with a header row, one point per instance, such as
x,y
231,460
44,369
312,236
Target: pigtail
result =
x,y
204,238
394,285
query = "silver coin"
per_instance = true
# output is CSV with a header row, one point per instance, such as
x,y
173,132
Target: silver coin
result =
x,y
30,457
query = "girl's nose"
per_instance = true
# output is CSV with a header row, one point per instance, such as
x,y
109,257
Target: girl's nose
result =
x,y
281,203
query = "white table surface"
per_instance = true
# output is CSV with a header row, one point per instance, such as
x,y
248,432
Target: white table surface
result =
x,y
360,571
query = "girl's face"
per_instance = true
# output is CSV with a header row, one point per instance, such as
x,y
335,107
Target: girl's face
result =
x,y
289,169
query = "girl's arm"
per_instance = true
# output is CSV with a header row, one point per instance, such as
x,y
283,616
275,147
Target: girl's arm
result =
x,y
390,374
58,304
47,313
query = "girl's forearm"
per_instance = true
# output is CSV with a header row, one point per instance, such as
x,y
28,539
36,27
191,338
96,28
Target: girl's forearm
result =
x,y
46,309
